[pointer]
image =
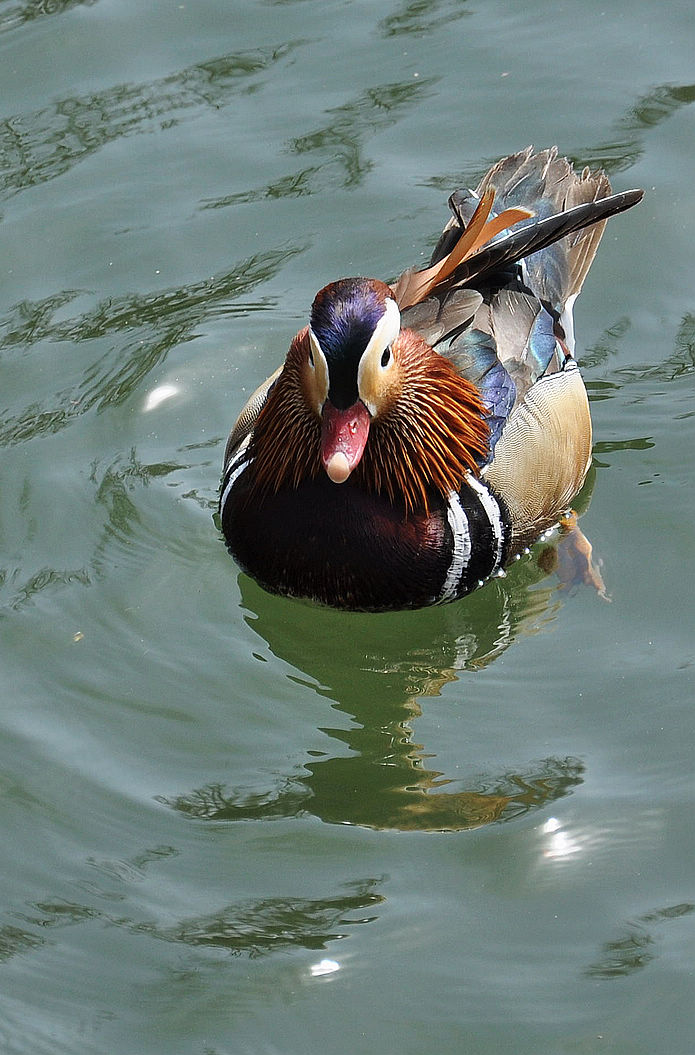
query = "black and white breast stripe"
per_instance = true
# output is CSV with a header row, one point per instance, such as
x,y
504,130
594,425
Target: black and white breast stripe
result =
x,y
233,471
480,532
475,546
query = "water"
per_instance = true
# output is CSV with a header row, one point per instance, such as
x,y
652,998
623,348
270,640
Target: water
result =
x,y
232,823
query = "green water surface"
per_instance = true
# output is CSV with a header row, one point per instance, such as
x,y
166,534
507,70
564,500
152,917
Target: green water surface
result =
x,y
231,823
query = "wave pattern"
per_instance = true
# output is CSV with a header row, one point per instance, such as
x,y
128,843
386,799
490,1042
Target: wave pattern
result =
x,y
39,146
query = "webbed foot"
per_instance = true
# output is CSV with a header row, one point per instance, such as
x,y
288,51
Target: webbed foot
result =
x,y
573,558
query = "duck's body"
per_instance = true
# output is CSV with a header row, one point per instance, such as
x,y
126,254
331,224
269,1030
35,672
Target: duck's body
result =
x,y
420,435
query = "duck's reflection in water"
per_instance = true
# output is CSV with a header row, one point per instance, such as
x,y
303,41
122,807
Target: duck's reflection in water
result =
x,y
377,669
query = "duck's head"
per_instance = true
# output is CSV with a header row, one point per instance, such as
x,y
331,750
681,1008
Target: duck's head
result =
x,y
354,374
360,394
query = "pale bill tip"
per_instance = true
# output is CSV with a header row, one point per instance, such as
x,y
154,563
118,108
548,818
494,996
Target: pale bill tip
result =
x,y
338,468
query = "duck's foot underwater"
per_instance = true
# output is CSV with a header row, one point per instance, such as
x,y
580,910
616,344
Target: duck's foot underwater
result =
x,y
571,558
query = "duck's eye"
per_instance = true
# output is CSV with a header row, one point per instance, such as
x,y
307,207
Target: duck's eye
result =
x,y
386,357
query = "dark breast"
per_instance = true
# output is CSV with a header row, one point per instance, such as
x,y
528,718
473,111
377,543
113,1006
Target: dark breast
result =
x,y
341,546
338,545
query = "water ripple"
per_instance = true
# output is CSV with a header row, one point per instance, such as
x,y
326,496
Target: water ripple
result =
x,y
637,944
338,144
151,325
39,146
18,14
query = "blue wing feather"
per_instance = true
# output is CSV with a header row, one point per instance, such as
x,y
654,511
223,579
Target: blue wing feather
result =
x,y
541,344
474,354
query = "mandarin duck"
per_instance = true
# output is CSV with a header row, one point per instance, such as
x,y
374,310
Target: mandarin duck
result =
x,y
421,435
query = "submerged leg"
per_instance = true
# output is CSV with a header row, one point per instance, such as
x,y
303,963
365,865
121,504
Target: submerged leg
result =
x,y
571,558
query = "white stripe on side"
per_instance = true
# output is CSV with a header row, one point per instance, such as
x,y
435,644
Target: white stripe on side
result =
x,y
492,511
234,471
458,522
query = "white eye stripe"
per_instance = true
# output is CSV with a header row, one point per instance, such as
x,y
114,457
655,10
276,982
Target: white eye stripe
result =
x,y
378,348
316,351
386,330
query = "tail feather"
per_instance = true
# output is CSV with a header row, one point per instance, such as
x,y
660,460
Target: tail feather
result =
x,y
535,235
563,203
548,184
